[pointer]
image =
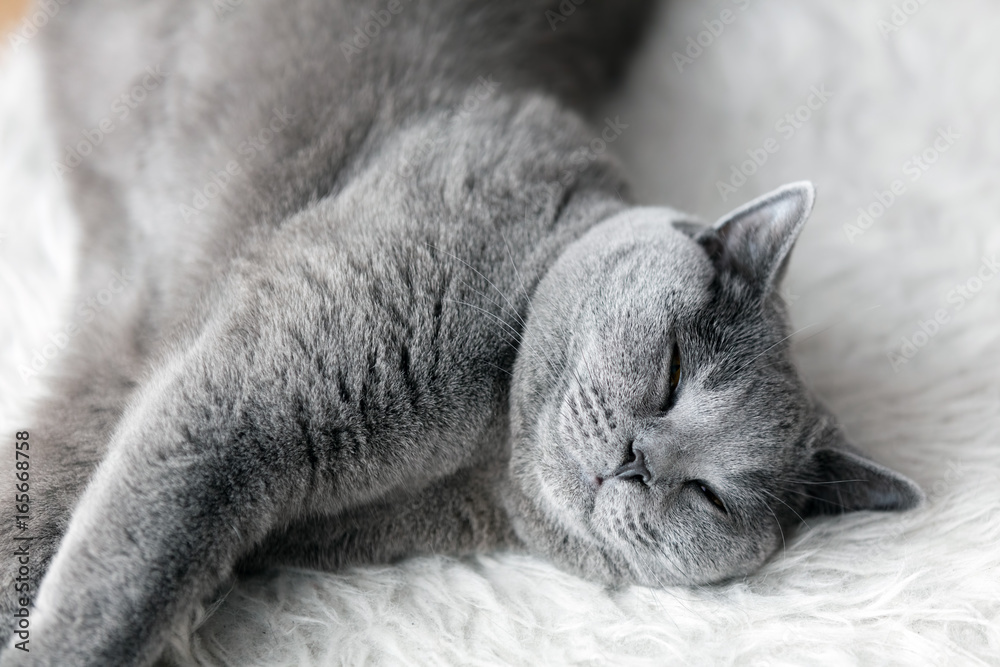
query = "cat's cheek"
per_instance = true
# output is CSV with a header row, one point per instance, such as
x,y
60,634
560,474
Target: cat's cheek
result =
x,y
613,503
564,489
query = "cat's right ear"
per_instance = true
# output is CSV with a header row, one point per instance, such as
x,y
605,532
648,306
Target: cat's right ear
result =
x,y
842,479
756,239
846,481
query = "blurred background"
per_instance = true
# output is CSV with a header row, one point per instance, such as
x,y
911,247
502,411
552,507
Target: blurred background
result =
x,y
11,12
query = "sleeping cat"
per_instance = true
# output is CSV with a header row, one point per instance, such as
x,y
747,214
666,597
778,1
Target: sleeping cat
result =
x,y
385,298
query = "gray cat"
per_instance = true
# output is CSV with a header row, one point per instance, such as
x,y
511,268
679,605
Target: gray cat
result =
x,y
378,295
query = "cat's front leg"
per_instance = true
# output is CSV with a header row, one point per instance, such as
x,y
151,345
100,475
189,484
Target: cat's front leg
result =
x,y
222,445
192,475
459,515
44,470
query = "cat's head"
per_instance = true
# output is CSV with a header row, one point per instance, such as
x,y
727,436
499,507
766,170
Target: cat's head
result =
x,y
661,433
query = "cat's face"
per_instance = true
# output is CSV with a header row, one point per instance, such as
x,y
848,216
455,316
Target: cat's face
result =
x,y
661,433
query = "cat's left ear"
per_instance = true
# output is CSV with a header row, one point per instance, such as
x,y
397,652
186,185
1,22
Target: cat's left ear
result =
x,y
843,480
756,239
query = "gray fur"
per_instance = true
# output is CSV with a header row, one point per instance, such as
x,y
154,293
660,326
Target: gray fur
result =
x,y
418,319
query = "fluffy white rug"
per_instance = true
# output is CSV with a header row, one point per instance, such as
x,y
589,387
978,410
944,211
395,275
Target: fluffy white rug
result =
x,y
919,588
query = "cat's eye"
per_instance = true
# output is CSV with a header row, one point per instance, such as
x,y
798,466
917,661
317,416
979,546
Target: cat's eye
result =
x,y
674,378
709,494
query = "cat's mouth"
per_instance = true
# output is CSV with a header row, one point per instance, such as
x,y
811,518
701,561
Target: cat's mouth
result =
x,y
634,467
592,481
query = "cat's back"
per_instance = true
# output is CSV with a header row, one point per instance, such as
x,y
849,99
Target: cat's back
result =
x,y
182,88
226,118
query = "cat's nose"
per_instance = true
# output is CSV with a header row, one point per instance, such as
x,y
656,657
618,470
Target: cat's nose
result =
x,y
635,468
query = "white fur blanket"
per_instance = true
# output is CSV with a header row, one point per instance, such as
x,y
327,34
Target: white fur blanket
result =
x,y
900,335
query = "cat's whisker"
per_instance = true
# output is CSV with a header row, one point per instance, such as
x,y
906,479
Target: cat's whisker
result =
x,y
535,352
590,371
510,330
502,370
527,298
659,582
675,593
517,273
838,318
514,312
811,496
481,275
659,548
832,321
214,607
784,549
656,597
519,334
771,347
804,522
503,308
834,481
637,559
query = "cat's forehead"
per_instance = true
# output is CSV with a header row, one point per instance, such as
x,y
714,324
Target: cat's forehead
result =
x,y
638,263
651,286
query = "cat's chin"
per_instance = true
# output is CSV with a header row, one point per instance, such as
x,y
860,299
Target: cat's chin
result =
x,y
566,490
582,541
